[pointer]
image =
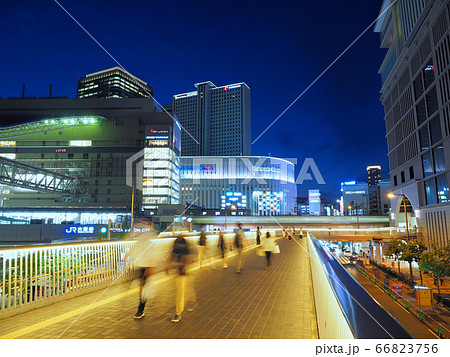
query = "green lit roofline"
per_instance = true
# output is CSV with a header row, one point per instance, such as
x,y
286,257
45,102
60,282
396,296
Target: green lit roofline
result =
x,y
50,124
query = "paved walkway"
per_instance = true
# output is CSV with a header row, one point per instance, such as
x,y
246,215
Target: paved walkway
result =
x,y
254,304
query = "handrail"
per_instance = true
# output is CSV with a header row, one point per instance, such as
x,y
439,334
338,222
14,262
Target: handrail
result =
x,y
32,274
363,315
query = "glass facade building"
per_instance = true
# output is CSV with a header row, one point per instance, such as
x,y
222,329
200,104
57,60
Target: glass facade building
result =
x,y
263,185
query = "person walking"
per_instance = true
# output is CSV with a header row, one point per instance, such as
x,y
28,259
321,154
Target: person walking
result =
x,y
201,248
239,244
258,236
221,245
143,259
268,245
178,259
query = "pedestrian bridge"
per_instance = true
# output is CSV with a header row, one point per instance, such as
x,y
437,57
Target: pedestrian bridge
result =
x,y
85,290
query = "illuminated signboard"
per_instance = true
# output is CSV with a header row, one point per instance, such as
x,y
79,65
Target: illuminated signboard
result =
x,y
157,142
233,200
79,230
266,169
159,131
200,168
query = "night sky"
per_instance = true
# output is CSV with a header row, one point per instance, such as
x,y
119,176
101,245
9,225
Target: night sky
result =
x,y
277,47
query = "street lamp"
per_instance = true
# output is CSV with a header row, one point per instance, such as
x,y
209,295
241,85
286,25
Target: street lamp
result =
x,y
392,195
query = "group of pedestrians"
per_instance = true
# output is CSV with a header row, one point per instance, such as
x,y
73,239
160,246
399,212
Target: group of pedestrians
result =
x,y
145,262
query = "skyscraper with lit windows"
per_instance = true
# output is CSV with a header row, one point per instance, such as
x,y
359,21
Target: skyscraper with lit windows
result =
x,y
113,83
216,120
415,93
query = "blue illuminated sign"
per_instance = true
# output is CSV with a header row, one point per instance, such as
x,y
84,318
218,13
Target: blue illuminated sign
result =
x,y
79,230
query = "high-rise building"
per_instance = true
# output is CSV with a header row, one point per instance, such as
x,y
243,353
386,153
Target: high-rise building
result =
x,y
415,93
216,120
112,83
373,180
315,205
373,175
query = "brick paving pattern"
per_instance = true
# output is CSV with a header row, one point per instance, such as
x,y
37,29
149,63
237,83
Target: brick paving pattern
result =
x,y
275,304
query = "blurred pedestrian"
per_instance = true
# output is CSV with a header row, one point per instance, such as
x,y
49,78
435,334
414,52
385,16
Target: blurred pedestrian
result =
x,y
143,259
258,236
283,233
268,245
222,245
201,248
239,244
178,260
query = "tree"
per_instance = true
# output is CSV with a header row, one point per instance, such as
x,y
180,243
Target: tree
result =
x,y
437,260
395,250
412,253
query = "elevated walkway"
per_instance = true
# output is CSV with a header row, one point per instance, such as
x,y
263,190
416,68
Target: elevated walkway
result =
x,y
254,304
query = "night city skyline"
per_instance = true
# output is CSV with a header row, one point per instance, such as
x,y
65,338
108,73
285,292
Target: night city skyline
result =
x,y
277,50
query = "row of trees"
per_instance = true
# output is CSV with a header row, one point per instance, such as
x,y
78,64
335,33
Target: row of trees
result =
x,y
435,260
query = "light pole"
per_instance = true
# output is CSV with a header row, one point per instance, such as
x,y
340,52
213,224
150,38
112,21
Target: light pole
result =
x,y
392,195
357,215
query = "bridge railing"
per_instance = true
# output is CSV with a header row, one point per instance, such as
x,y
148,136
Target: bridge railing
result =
x,y
344,309
381,232
34,275
31,275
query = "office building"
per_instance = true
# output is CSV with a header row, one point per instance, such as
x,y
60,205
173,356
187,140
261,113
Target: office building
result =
x,y
113,83
263,185
365,199
315,206
216,120
106,145
302,206
415,93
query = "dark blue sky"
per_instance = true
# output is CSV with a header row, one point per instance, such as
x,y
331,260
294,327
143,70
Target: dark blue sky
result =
x,y
277,47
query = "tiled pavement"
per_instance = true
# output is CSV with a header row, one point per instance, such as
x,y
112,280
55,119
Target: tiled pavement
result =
x,y
254,304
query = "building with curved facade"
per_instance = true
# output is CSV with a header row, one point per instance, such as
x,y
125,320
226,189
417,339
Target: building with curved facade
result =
x,y
262,185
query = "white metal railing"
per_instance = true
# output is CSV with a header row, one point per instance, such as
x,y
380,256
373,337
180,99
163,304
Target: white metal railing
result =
x,y
381,231
33,274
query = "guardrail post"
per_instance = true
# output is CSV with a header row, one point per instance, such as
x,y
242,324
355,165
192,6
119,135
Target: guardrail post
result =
x,y
421,315
440,331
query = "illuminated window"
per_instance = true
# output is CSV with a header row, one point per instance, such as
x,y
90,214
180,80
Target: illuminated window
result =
x,y
80,143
